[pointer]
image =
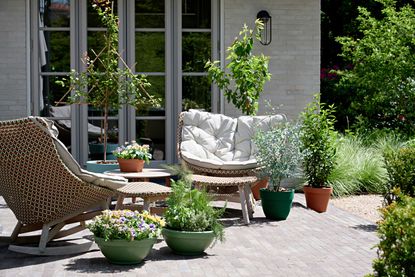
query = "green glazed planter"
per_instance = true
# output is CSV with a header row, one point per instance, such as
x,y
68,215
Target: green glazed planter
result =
x,y
276,205
125,252
188,243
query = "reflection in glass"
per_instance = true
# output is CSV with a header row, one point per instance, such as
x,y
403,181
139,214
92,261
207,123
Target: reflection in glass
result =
x,y
96,43
57,52
95,139
196,51
54,13
152,132
156,89
196,93
196,14
51,93
149,14
149,52
64,132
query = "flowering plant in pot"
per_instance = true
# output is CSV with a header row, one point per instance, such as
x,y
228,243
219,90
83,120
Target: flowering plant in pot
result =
x,y
318,146
279,157
124,236
131,156
192,224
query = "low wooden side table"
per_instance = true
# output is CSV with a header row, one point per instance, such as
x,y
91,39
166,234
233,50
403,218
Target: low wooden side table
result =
x,y
144,176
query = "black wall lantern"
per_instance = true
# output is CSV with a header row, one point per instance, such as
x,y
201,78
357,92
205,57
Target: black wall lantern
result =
x,y
266,34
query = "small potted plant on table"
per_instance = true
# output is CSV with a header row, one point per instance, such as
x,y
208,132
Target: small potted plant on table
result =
x,y
192,224
278,157
124,236
131,157
318,146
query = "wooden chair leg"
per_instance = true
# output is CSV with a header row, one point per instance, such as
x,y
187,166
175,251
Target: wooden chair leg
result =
x,y
248,198
243,204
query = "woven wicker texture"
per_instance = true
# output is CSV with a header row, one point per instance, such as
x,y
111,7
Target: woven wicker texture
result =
x,y
207,171
141,189
223,181
34,181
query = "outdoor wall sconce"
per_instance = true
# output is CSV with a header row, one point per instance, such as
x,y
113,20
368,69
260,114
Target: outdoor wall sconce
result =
x,y
266,34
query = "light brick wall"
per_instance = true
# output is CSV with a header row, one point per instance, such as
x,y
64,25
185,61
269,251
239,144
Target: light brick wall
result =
x,y
13,77
294,51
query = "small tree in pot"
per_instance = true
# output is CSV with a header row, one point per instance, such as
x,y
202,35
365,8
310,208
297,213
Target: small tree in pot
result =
x,y
105,84
279,157
318,146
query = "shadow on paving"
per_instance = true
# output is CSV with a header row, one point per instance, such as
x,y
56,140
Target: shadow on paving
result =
x,y
366,227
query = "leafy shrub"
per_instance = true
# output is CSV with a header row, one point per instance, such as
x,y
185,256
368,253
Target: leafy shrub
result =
x,y
397,239
318,142
358,168
190,210
278,153
400,165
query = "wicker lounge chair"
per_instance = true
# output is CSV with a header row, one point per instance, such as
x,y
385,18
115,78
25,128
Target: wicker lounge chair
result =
x,y
46,189
219,150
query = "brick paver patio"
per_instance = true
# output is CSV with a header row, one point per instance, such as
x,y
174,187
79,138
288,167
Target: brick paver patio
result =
x,y
335,243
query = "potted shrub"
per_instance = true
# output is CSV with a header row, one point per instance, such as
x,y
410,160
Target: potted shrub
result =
x,y
248,73
279,157
124,236
107,82
131,157
318,147
192,224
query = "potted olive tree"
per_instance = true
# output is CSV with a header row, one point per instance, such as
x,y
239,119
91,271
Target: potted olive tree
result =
x,y
247,74
105,85
192,224
279,157
318,146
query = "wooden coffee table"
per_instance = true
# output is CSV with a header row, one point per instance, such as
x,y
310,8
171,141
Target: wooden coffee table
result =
x,y
144,176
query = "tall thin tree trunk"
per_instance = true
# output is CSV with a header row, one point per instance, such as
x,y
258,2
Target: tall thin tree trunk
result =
x,y
105,131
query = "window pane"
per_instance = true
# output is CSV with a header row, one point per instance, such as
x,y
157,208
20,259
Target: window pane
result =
x,y
196,13
196,51
56,56
54,13
64,128
95,43
149,14
152,132
96,139
93,18
149,52
196,93
52,94
157,89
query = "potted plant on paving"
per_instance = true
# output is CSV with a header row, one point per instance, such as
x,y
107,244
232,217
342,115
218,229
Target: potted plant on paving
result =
x,y
124,236
192,224
108,82
131,157
318,147
279,157
248,72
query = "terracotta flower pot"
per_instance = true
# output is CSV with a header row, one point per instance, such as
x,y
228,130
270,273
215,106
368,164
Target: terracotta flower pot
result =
x,y
317,199
130,165
259,185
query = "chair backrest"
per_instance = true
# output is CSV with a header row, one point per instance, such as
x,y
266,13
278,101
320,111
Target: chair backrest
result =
x,y
35,183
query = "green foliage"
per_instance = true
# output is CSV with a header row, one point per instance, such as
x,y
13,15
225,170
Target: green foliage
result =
x,y
104,84
278,153
397,239
400,165
126,225
358,168
133,151
248,72
381,80
318,142
190,210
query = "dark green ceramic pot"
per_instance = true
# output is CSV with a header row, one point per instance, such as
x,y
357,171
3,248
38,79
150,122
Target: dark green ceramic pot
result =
x,y
276,204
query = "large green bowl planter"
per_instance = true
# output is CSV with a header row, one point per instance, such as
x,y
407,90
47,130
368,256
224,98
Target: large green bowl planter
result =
x,y
125,252
276,205
188,243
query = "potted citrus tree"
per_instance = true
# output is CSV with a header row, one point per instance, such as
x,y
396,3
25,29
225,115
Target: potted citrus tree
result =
x,y
192,224
279,157
246,73
131,157
318,146
107,82
124,236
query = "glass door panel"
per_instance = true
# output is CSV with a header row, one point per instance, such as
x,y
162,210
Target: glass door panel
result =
x,y
196,93
149,14
149,51
196,14
152,132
